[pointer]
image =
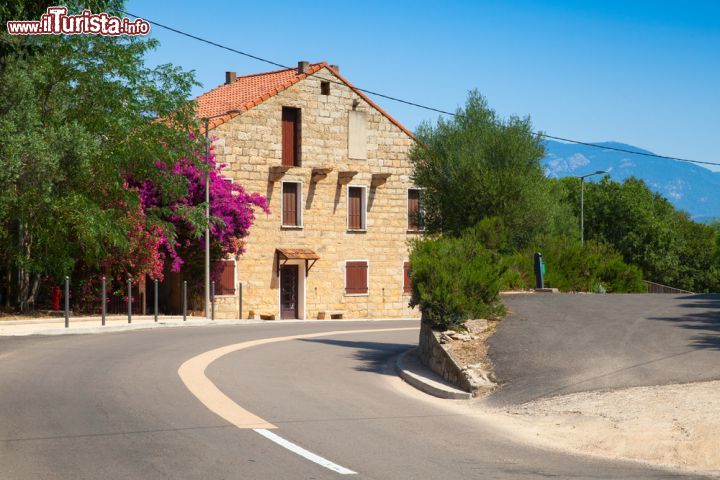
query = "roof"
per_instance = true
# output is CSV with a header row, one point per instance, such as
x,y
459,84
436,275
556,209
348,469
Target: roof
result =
x,y
250,90
298,253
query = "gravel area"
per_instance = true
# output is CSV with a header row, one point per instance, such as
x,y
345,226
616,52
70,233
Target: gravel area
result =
x,y
677,426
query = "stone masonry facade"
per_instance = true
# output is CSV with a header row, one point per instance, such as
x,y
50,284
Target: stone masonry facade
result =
x,y
251,143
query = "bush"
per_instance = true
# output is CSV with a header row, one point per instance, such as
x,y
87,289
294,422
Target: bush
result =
x,y
573,268
454,279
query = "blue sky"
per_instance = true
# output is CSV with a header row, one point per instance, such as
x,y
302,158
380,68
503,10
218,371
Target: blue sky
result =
x,y
645,73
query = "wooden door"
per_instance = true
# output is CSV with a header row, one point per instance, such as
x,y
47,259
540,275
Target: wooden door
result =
x,y
291,136
289,292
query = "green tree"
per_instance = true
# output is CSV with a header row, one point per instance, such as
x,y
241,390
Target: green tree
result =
x,y
647,230
477,165
79,118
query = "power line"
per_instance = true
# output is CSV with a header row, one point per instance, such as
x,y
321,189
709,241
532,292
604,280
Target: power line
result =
x,y
414,104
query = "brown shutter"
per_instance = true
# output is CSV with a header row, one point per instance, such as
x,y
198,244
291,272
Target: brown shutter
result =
x,y
355,208
407,281
356,278
414,222
227,278
290,200
291,136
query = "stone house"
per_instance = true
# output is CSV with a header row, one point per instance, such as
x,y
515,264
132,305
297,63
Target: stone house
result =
x,y
334,167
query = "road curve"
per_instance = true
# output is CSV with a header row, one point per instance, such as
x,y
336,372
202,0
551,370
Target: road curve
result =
x,y
113,406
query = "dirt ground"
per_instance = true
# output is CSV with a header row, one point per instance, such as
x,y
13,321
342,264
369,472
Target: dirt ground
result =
x,y
677,426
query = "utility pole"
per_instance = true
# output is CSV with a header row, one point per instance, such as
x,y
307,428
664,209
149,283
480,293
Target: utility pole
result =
x,y
207,205
582,203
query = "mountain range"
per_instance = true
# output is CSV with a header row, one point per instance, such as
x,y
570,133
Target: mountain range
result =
x,y
688,186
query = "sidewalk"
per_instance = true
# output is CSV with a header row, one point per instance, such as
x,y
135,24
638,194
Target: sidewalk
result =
x,y
119,323
113,323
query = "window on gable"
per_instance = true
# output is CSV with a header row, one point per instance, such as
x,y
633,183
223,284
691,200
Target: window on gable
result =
x,y
407,281
291,136
357,211
357,135
226,285
356,277
291,206
415,211
325,87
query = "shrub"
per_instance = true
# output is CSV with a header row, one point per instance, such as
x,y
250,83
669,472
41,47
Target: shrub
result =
x,y
454,279
596,267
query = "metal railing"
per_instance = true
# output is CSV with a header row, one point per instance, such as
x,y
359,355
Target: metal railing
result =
x,y
653,287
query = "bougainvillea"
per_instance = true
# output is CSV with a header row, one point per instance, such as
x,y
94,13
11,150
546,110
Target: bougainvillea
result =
x,y
171,233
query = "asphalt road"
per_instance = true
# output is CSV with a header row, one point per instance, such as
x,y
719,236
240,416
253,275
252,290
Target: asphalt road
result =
x,y
113,406
553,344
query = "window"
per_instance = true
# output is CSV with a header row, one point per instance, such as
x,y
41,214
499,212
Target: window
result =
x,y
291,136
357,135
407,281
415,212
356,277
356,215
291,204
325,87
226,285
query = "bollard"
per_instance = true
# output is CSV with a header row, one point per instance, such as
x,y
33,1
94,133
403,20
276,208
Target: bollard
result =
x,y
240,299
539,271
156,300
212,301
129,297
67,302
104,305
184,300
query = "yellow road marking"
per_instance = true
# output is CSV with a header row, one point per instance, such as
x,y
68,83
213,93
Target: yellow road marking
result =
x,y
192,373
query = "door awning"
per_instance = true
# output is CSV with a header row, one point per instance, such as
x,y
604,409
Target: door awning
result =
x,y
284,254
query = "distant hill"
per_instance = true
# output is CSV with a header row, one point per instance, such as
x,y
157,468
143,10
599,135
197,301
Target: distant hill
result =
x,y
688,186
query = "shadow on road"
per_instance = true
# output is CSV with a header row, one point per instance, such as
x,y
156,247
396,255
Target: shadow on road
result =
x,y
373,355
706,323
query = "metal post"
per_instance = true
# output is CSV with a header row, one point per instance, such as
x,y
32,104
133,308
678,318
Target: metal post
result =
x,y
184,300
539,278
240,299
212,299
104,304
129,297
156,299
67,302
582,212
207,216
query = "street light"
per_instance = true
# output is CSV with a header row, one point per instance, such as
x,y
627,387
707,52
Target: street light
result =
x,y
207,205
582,203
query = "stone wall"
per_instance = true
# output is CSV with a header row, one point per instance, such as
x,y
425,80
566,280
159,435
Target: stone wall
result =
x,y
251,143
434,356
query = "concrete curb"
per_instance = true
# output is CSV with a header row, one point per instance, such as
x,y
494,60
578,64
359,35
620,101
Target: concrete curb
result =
x,y
414,373
33,327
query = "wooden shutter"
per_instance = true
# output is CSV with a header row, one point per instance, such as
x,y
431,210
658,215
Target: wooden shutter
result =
x,y
356,278
407,281
414,220
291,136
355,217
290,204
226,285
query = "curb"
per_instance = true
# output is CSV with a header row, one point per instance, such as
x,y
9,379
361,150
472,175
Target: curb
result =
x,y
421,378
148,325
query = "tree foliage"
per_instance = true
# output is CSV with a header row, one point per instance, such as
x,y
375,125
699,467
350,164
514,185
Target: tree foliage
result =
x,y
478,165
85,125
649,232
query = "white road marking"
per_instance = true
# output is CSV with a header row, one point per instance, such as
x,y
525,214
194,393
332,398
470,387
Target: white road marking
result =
x,y
303,453
192,373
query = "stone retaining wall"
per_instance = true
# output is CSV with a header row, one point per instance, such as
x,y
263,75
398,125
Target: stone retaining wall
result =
x,y
434,356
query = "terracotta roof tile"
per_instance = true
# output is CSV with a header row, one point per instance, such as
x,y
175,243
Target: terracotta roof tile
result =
x,y
250,90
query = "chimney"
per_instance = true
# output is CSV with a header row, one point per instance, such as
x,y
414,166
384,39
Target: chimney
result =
x,y
335,67
303,66
230,77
